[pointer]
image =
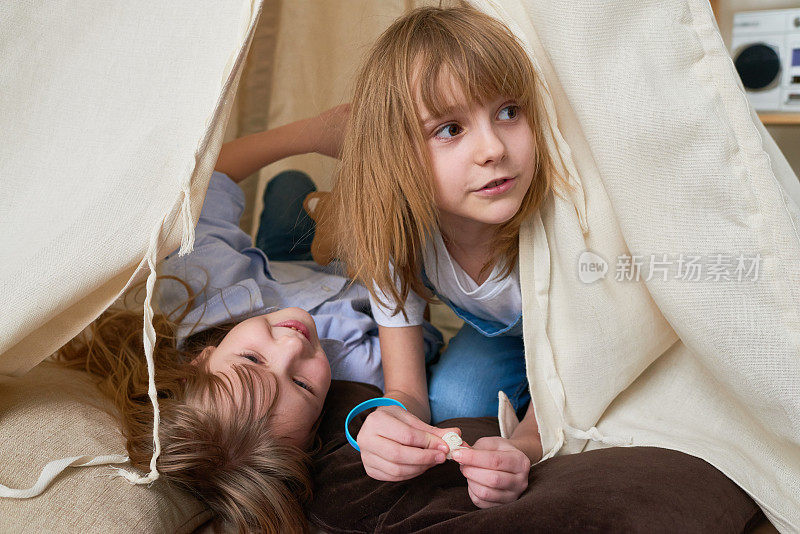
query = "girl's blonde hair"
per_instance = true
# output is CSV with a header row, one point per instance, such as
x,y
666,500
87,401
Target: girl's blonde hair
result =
x,y
384,187
237,465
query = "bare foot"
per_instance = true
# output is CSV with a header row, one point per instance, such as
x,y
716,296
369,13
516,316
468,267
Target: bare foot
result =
x,y
316,205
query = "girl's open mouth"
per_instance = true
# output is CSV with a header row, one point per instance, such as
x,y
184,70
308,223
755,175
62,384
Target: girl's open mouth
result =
x,y
296,325
496,187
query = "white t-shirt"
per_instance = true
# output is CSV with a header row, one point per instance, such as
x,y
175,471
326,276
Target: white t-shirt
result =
x,y
494,300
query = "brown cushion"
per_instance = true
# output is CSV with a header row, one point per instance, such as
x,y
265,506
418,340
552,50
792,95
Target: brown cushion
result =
x,y
626,489
52,413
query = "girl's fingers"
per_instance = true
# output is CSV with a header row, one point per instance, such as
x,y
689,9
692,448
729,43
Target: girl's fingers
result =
x,y
411,419
406,428
377,474
410,436
508,461
499,480
398,471
484,497
396,452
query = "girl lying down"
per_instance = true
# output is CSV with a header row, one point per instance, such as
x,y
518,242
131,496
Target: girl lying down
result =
x,y
243,364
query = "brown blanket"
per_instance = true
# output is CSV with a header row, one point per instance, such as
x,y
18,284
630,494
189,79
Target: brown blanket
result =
x,y
631,489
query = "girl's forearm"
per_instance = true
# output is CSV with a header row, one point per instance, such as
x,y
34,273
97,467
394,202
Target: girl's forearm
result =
x,y
526,436
243,156
421,409
403,361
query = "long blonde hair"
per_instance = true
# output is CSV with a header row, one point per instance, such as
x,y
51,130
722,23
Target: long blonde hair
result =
x,y
383,192
237,465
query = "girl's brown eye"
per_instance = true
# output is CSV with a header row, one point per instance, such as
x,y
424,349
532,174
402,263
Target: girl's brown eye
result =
x,y
448,130
509,112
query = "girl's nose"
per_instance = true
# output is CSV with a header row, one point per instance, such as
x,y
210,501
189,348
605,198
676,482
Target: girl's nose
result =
x,y
286,355
291,352
293,347
489,148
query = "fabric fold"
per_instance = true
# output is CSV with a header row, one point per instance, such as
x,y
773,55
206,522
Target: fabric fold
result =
x,y
215,86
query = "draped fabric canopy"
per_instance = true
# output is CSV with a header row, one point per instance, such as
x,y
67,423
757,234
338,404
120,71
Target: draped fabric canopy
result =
x,y
113,120
661,302
112,115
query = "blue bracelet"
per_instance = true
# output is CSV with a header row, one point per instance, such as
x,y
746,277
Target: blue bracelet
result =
x,y
366,405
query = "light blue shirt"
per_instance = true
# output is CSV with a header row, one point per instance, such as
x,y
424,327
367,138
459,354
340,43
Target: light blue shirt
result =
x,y
234,281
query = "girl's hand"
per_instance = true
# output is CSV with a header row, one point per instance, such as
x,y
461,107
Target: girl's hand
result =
x,y
496,471
330,126
396,445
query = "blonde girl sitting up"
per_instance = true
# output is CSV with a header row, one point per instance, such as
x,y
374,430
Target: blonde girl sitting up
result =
x,y
245,351
442,162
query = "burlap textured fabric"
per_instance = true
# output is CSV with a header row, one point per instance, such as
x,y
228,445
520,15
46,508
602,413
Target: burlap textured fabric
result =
x,y
53,412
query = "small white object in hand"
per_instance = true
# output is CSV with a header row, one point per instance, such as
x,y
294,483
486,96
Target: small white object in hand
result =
x,y
453,441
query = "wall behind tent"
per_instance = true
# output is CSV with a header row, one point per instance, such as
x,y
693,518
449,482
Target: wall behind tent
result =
x,y
304,56
302,61
786,136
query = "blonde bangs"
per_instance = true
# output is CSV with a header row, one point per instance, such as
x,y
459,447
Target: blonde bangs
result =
x,y
468,48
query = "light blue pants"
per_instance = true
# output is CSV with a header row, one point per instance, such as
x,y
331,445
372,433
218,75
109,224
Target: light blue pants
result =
x,y
465,380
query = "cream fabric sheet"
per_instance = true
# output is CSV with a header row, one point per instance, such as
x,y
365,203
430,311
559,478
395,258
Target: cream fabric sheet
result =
x,y
112,115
